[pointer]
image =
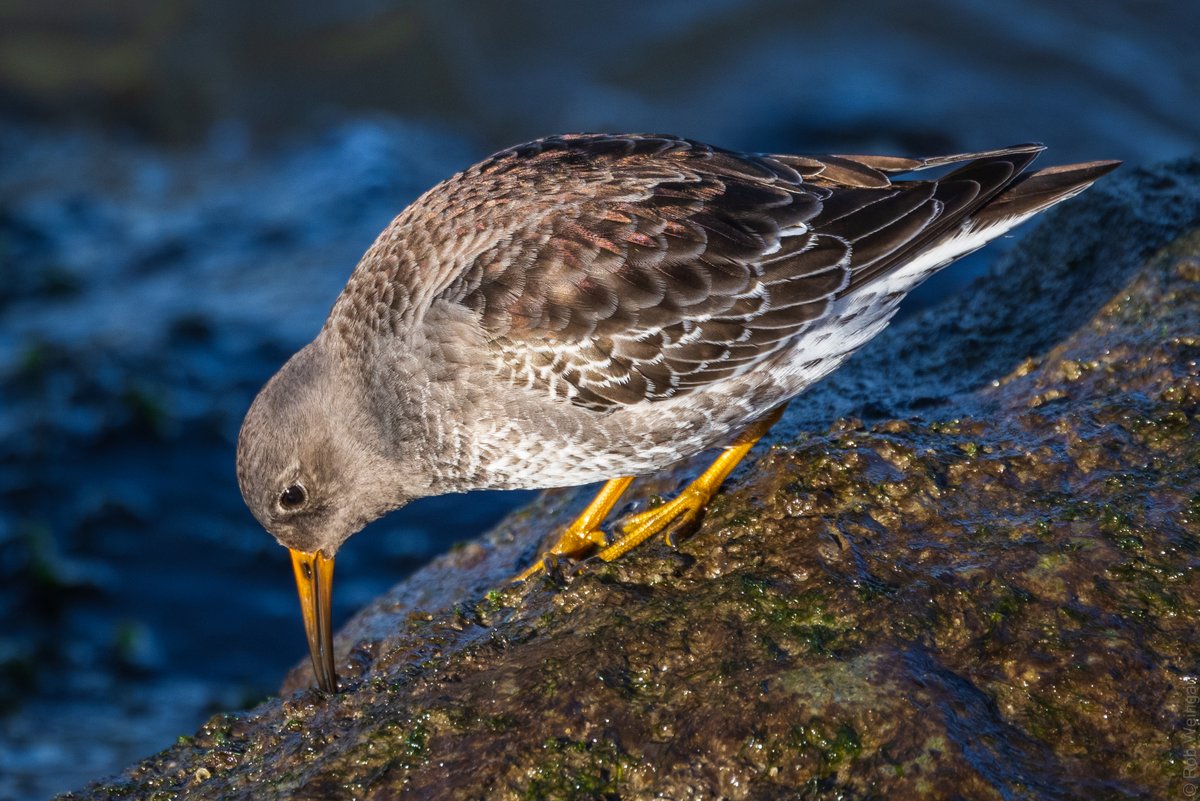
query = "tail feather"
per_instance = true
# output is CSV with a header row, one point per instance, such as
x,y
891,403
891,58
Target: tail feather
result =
x,y
1006,200
964,191
1040,190
901,230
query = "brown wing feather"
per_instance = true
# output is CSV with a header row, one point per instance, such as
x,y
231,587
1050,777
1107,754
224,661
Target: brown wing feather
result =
x,y
649,266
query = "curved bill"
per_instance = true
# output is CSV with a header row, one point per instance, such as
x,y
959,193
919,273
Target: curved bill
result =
x,y
314,581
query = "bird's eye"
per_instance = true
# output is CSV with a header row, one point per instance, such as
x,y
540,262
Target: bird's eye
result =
x,y
293,497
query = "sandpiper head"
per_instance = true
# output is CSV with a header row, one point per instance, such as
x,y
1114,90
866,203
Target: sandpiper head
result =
x,y
311,473
305,460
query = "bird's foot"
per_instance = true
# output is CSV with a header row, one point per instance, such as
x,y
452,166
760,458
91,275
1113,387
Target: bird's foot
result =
x,y
683,512
574,543
671,519
584,535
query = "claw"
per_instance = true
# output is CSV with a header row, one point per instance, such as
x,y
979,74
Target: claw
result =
x,y
584,535
579,545
554,569
684,524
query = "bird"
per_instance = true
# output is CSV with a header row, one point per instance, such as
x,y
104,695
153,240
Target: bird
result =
x,y
596,307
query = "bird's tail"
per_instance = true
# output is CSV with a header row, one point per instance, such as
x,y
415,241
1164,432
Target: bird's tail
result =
x,y
993,216
1037,191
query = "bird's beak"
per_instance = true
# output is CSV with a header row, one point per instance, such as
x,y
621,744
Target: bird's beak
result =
x,y
314,580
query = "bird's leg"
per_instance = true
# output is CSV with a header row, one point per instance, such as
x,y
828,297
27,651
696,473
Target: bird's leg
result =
x,y
687,507
585,534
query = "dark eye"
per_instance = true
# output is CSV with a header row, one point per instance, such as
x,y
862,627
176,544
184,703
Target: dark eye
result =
x,y
293,497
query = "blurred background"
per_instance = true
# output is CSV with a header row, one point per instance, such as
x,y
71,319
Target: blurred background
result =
x,y
185,186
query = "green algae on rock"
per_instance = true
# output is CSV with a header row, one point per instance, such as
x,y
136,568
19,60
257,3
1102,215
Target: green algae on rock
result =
x,y
992,594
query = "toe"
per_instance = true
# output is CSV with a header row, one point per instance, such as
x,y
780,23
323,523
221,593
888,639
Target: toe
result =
x,y
529,572
597,538
683,524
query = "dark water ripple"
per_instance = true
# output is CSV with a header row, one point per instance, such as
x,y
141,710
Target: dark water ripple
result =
x,y
149,299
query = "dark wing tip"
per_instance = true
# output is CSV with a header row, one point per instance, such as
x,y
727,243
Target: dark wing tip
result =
x,y
875,172
1031,148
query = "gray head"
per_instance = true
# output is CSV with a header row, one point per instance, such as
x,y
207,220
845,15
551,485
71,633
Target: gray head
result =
x,y
312,469
309,461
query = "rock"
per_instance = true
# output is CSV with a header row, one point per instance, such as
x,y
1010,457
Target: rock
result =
x,y
979,582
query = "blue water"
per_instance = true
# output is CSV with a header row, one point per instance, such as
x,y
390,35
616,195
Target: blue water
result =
x,y
148,289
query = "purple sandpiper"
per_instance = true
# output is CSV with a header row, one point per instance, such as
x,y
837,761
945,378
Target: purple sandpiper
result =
x,y
596,307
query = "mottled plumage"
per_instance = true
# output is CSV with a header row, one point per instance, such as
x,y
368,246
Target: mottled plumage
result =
x,y
613,270
585,306
591,306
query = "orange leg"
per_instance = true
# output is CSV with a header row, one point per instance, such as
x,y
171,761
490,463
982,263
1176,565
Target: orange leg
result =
x,y
688,507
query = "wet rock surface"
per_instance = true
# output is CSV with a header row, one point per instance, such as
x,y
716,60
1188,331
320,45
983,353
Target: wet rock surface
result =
x,y
980,582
